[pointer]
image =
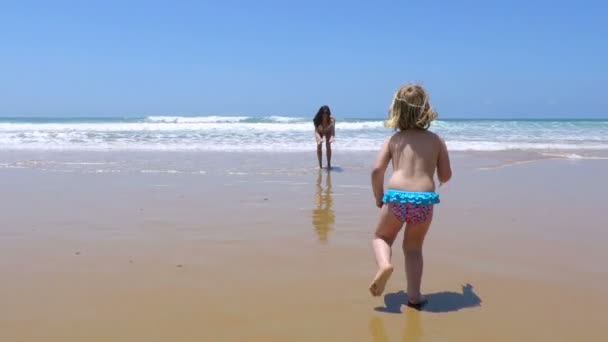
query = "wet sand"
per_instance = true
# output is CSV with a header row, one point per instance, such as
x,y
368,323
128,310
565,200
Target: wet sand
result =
x,y
211,247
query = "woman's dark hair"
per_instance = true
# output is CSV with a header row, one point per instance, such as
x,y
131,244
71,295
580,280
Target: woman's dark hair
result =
x,y
319,116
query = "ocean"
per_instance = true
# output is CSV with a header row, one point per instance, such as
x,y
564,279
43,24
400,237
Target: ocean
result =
x,y
285,134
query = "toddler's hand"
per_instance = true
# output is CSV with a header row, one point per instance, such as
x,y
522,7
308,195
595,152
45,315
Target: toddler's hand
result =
x,y
379,203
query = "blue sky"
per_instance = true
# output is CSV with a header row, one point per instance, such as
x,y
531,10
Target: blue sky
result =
x,y
477,58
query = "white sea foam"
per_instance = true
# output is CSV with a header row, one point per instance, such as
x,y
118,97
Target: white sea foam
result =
x,y
195,119
287,134
572,156
286,119
161,171
35,128
85,163
505,146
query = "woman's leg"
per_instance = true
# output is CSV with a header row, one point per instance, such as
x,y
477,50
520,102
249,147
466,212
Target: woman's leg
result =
x,y
320,154
328,147
386,232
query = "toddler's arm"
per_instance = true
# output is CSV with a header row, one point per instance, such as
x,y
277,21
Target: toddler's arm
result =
x,y
444,170
384,157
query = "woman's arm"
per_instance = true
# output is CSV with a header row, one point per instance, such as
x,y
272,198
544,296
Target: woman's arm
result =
x,y
318,136
384,157
333,130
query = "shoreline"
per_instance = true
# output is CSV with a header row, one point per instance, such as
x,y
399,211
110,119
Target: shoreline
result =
x,y
19,159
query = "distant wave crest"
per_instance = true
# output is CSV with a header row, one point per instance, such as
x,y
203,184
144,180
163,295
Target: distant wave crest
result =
x,y
195,119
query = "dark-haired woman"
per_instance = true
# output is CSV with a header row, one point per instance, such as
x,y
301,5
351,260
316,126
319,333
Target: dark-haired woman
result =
x,y
325,129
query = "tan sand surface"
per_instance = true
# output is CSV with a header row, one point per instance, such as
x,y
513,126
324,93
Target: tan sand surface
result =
x,y
282,253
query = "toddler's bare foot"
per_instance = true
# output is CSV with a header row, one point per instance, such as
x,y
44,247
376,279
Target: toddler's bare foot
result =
x,y
377,286
416,302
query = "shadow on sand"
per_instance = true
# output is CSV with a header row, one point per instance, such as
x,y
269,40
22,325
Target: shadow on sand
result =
x,y
335,169
436,302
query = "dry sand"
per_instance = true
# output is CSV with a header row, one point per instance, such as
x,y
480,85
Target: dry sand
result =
x,y
244,251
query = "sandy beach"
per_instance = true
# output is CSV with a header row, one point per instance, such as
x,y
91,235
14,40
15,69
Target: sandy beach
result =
x,y
161,171
106,246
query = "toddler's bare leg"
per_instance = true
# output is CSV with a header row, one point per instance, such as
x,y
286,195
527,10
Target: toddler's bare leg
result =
x,y
412,249
386,232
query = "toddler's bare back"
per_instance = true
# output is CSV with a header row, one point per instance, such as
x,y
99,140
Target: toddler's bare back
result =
x,y
414,155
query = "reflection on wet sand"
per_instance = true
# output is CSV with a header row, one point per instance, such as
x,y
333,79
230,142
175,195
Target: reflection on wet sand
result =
x,y
323,216
412,328
376,329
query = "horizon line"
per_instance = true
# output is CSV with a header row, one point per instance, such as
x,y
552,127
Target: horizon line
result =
x,y
515,117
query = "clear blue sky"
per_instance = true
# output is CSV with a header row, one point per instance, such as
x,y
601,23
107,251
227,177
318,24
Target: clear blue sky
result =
x,y
478,58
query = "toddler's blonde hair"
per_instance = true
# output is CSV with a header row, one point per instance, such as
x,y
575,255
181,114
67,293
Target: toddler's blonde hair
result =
x,y
411,108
